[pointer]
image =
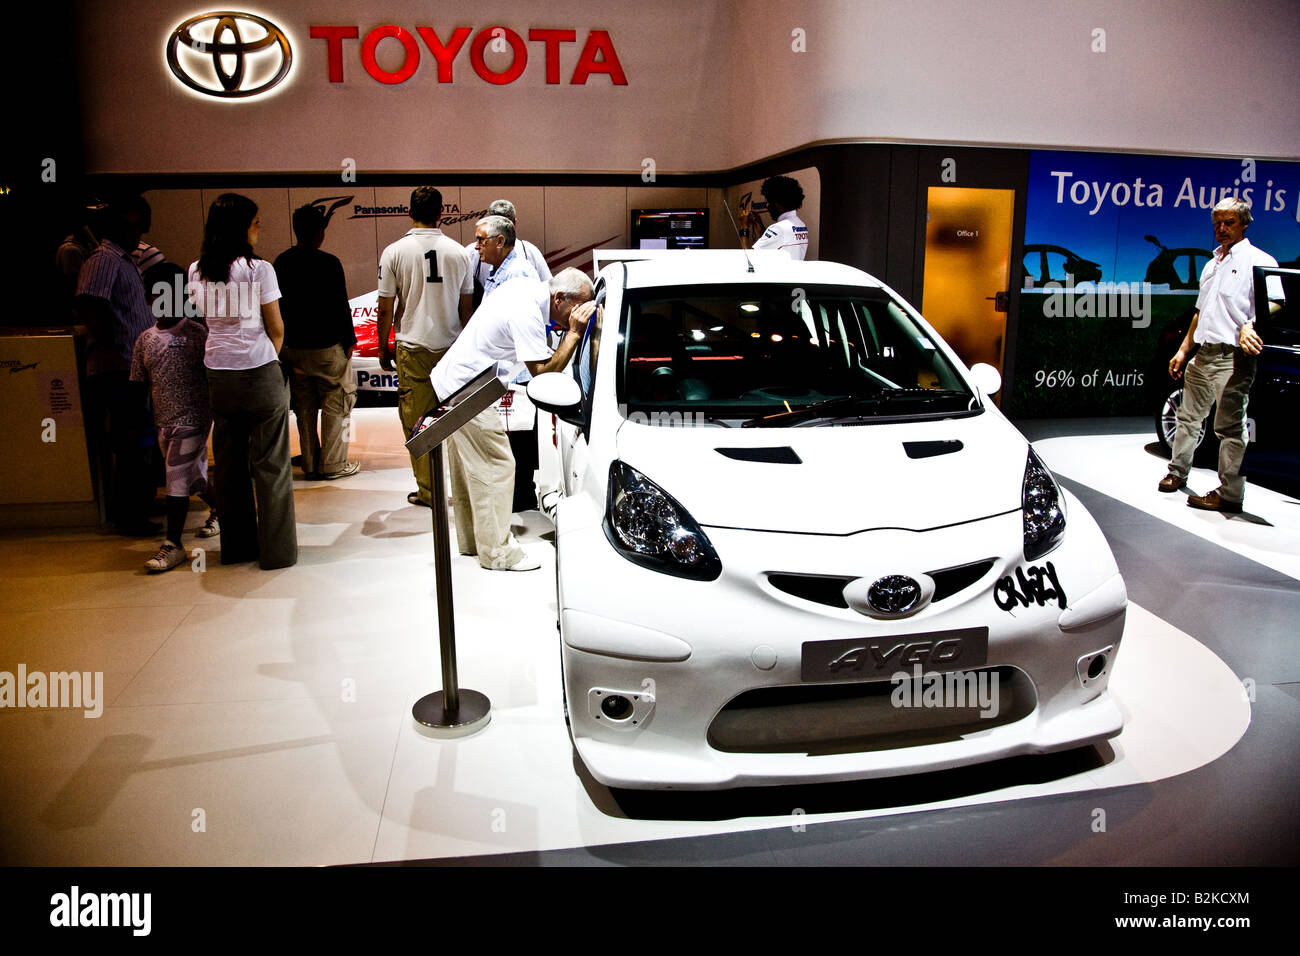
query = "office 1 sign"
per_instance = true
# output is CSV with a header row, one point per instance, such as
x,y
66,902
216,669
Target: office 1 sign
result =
x,y
232,55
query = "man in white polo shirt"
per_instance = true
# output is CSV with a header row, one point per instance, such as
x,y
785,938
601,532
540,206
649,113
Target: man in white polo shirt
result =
x,y
1224,366
426,283
509,327
788,233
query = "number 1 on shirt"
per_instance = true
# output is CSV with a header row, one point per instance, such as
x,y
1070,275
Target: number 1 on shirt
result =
x,y
433,276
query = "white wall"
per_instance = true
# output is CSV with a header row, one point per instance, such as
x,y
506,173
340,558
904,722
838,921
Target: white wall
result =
x,y
711,85
1181,76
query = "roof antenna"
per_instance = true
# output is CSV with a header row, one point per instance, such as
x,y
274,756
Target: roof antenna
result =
x,y
748,261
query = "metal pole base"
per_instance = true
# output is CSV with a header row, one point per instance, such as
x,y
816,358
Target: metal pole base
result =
x,y
471,716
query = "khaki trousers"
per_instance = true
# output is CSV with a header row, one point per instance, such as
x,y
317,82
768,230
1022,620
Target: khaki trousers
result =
x,y
1223,374
321,384
415,397
482,488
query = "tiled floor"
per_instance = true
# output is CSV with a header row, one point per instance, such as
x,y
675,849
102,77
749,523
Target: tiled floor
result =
x,y
255,717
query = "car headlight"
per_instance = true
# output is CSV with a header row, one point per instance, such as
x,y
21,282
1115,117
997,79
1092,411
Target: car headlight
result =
x,y
647,526
1043,508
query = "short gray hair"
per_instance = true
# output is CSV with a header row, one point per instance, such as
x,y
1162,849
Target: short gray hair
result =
x,y
1234,205
572,283
498,226
502,207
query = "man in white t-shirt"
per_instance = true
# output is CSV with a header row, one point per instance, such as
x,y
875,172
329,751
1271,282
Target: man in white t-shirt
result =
x,y
1224,366
483,270
787,232
509,327
426,285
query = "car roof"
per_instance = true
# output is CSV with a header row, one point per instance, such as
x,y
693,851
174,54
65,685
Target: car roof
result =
x,y
713,266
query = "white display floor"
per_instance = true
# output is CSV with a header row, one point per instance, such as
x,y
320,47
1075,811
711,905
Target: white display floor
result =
x,y
258,717
1122,466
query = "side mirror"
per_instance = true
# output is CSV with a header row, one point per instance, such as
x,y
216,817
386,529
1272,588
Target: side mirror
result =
x,y
985,376
558,393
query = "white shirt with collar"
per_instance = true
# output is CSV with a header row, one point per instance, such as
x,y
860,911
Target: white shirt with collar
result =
x,y
1227,298
427,272
788,233
508,328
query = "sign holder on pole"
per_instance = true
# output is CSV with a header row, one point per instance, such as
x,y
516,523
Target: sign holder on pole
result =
x,y
454,711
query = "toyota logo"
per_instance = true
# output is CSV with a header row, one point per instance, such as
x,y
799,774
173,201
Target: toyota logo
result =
x,y
894,594
229,54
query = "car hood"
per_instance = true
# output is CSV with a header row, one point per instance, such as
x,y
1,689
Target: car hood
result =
x,y
913,475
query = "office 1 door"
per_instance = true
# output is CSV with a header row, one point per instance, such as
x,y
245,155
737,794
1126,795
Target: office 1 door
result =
x,y
968,268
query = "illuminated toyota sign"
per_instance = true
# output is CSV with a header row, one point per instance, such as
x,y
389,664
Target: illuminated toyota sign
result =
x,y
229,55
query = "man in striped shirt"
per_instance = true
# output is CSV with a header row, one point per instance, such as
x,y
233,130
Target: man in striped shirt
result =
x,y
111,303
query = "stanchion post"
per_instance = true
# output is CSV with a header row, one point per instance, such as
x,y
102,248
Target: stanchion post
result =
x,y
453,711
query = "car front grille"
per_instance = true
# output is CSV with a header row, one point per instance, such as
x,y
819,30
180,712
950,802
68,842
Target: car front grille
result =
x,y
828,589
819,719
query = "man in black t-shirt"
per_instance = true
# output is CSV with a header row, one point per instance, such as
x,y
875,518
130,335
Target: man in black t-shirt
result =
x,y
318,344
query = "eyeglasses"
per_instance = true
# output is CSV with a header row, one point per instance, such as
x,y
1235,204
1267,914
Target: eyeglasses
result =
x,y
479,240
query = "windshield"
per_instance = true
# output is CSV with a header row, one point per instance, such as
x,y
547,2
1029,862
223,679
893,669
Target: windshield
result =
x,y
772,355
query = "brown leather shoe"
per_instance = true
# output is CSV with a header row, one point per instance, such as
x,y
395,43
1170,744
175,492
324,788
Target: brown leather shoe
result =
x,y
1212,502
1171,483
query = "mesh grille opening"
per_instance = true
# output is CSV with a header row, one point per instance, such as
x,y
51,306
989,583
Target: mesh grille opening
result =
x,y
819,719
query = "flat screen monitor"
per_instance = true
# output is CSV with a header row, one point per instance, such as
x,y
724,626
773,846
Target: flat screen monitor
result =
x,y
670,228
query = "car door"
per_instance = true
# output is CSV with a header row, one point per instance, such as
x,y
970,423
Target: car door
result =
x,y
573,437
1275,397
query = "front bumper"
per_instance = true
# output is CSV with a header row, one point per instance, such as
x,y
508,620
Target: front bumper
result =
x,y
688,649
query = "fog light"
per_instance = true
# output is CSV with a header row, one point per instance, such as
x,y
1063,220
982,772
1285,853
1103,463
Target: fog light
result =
x,y
1093,667
621,708
616,707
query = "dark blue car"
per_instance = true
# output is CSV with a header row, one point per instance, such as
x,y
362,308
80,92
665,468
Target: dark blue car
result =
x,y
1274,408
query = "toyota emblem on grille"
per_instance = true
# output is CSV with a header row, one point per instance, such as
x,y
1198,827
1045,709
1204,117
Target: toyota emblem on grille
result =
x,y
894,594
218,53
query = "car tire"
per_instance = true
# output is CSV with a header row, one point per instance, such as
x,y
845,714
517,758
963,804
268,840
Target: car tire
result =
x,y
1207,450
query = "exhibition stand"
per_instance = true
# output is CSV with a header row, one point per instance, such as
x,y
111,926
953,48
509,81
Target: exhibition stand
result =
x,y
453,711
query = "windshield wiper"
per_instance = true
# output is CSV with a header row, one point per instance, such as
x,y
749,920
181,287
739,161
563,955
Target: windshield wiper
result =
x,y
815,410
824,408
923,393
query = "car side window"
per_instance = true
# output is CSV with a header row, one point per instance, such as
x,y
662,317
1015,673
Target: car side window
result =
x,y
584,364
1280,287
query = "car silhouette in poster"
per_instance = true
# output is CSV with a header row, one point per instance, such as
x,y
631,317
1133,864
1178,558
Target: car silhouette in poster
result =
x,y
1048,263
1176,268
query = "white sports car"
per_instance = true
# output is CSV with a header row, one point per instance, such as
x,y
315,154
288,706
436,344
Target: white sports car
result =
x,y
797,543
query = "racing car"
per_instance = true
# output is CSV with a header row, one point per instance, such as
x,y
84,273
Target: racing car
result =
x,y
796,541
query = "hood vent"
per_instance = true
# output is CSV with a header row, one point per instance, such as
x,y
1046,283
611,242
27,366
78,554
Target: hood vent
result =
x,y
775,455
931,449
